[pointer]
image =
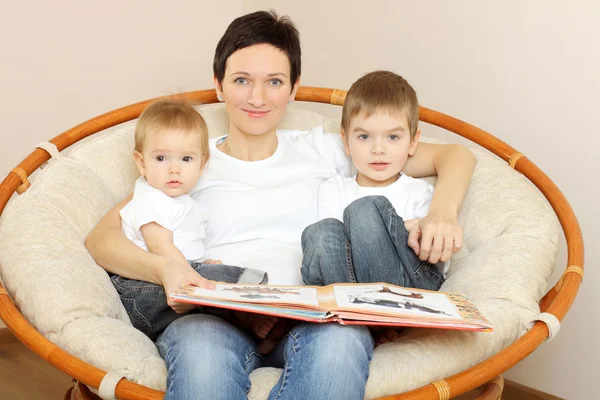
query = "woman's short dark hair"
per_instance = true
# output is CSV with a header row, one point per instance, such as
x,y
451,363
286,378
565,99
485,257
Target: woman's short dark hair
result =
x,y
257,28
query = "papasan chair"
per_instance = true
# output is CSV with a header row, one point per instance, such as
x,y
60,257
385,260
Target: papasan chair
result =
x,y
61,304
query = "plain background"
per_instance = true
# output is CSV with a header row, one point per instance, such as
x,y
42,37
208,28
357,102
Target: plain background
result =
x,y
526,71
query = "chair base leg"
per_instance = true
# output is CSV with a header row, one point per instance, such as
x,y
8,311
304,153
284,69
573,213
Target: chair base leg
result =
x,y
493,389
80,392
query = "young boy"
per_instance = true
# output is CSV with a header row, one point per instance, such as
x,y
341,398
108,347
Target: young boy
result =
x,y
362,231
171,149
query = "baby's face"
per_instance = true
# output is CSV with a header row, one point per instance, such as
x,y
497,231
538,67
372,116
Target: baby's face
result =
x,y
379,146
171,161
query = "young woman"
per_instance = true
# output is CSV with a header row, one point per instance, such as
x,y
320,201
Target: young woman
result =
x,y
260,191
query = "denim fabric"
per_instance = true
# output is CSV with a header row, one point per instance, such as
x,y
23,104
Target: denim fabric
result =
x,y
209,358
146,303
369,246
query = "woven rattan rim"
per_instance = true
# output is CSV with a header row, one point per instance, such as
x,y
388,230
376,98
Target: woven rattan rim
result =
x,y
3,291
571,268
443,389
512,161
338,97
23,175
556,302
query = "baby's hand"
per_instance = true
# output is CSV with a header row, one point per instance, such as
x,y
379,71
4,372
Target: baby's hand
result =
x,y
435,238
209,261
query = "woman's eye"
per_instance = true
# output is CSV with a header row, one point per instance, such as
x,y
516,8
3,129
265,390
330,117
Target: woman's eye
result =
x,y
160,158
275,82
187,159
241,81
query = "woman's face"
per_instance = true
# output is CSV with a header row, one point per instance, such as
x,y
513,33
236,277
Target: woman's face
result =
x,y
256,89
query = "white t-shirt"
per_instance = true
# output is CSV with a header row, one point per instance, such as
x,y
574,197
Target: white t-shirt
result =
x,y
259,209
409,196
181,215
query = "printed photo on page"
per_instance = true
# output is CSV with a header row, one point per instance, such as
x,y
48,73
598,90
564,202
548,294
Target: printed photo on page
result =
x,y
388,299
260,294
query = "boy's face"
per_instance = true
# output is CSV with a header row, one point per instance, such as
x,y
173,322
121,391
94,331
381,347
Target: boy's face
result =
x,y
171,161
379,146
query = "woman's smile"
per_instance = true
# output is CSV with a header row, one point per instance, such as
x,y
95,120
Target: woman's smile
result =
x,y
255,113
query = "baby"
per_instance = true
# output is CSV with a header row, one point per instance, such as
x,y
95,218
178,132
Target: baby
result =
x,y
171,150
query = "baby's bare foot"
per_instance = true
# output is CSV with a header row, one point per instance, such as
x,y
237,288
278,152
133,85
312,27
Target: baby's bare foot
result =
x,y
260,325
280,329
386,335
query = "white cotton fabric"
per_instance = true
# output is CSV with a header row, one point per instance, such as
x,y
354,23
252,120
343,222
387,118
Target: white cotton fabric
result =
x,y
510,244
181,215
410,197
260,231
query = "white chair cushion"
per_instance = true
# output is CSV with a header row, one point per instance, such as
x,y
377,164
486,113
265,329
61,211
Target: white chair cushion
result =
x,y
511,239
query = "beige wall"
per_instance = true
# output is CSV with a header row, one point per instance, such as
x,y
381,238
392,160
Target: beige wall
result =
x,y
65,61
525,71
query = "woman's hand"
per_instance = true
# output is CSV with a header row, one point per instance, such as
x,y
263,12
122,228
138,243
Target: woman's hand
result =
x,y
177,274
436,237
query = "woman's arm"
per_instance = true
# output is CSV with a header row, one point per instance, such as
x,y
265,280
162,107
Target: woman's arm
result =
x,y
117,254
439,232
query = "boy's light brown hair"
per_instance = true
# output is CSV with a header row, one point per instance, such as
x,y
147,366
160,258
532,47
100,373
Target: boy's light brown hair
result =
x,y
381,91
167,115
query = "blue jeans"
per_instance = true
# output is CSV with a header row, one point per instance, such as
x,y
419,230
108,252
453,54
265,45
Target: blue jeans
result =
x,y
209,358
146,303
369,246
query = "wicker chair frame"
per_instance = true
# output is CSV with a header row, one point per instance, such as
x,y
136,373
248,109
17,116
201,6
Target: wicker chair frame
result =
x,y
557,301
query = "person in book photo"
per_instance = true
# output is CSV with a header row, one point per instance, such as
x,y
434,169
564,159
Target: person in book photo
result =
x,y
364,220
386,289
260,189
171,149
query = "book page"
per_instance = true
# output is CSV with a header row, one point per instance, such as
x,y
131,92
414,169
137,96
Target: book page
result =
x,y
395,300
258,294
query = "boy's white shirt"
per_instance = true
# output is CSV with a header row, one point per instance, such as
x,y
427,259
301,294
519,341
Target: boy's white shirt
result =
x,y
259,209
410,197
182,215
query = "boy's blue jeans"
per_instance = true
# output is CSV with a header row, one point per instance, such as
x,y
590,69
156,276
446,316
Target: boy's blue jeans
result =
x,y
369,246
146,303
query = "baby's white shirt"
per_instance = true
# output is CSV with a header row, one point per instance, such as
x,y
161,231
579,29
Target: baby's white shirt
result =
x,y
182,215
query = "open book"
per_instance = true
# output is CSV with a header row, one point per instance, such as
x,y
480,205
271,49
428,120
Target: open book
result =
x,y
363,304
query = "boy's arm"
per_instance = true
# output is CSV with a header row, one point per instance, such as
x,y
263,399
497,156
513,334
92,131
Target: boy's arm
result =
x,y
439,232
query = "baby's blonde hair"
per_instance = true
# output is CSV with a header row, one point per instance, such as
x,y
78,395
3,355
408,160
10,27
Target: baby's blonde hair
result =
x,y
176,115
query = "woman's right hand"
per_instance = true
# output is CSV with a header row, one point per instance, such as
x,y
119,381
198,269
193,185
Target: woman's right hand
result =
x,y
177,274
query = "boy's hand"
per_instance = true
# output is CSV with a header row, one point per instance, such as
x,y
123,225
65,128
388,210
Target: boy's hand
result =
x,y
408,224
177,274
435,238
